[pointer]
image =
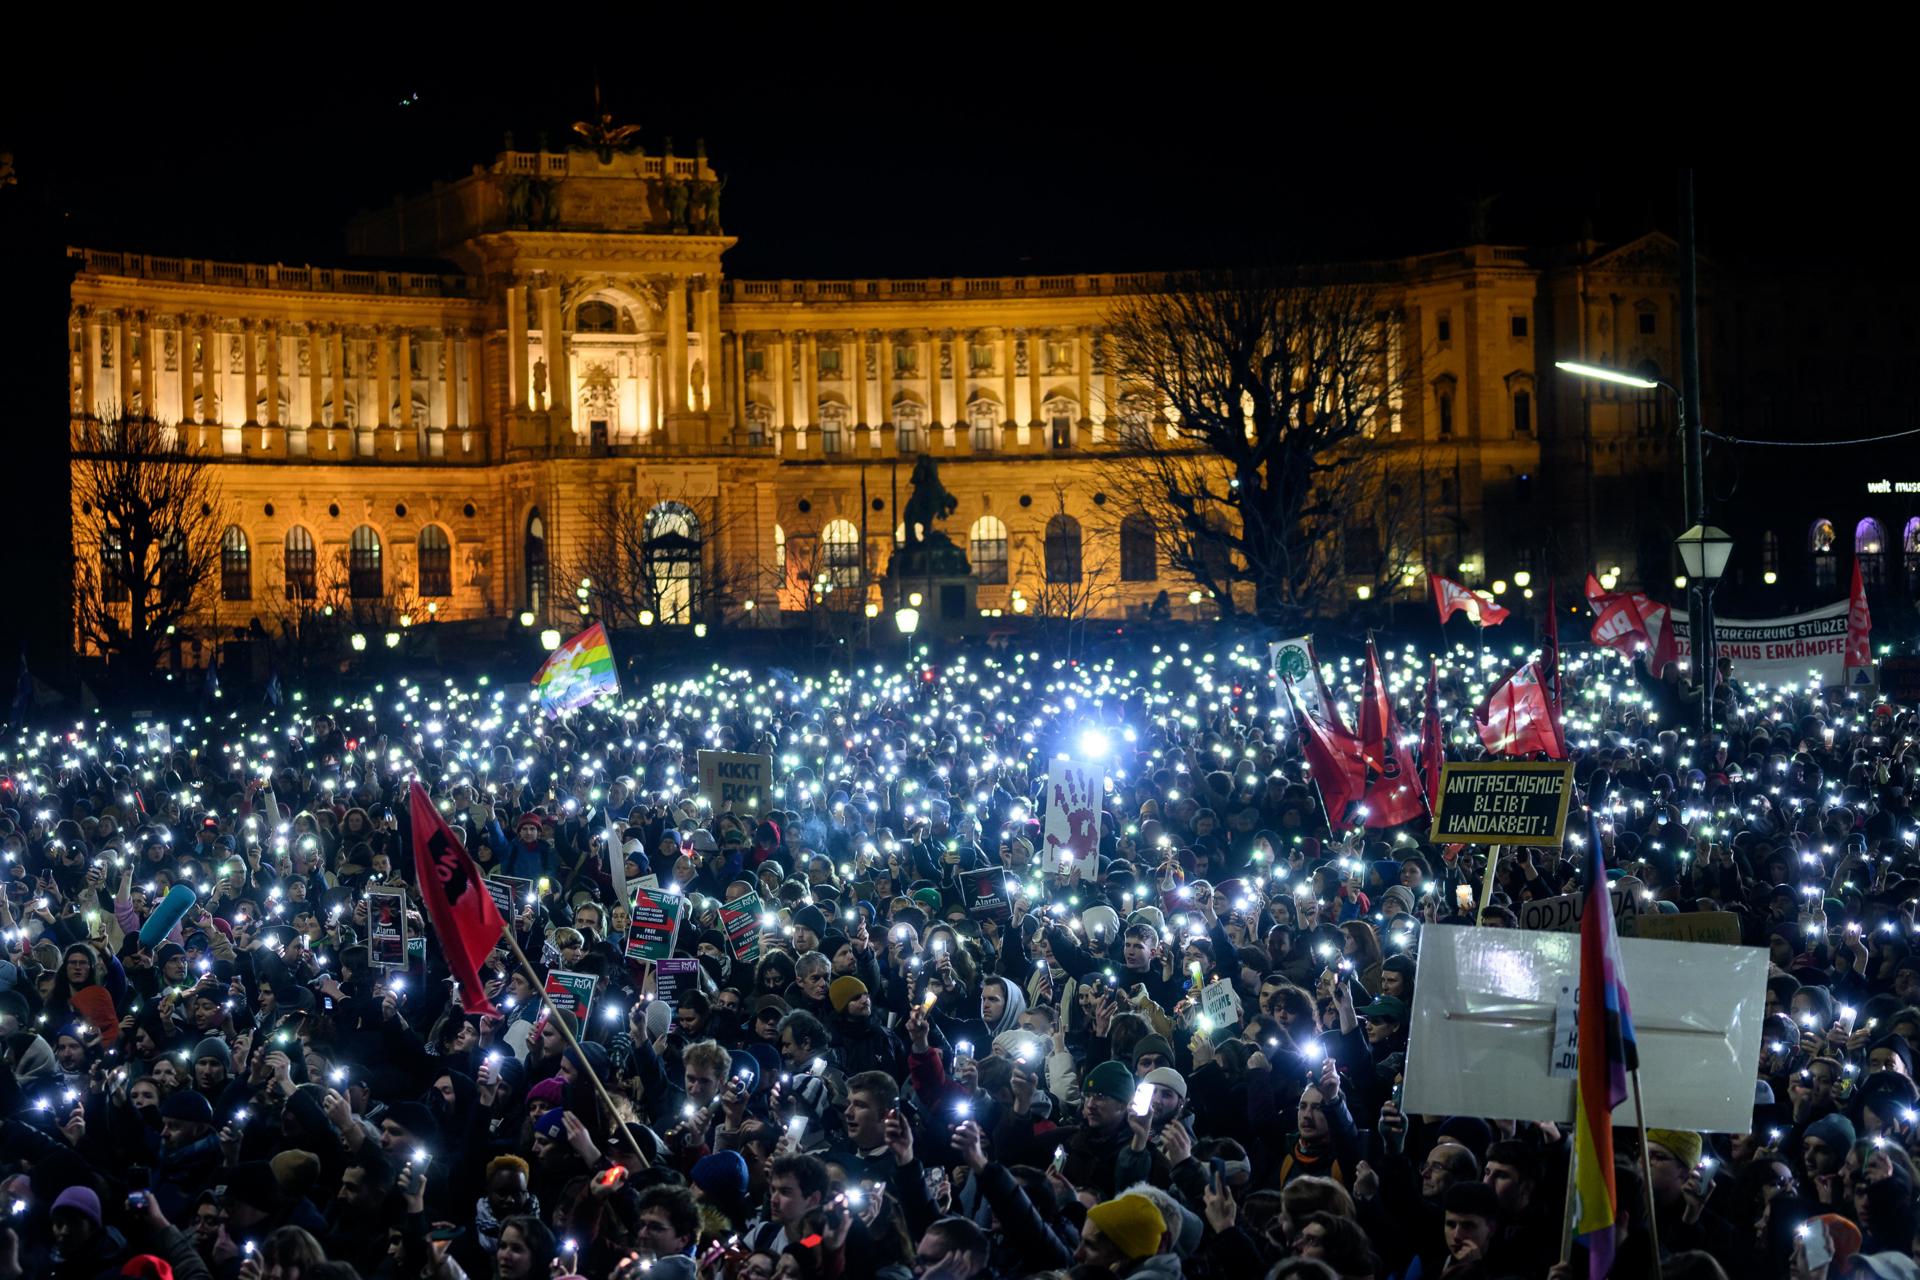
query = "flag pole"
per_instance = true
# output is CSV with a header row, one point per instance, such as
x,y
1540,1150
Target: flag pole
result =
x,y
553,1013
1486,884
1567,1221
1646,1174
1293,717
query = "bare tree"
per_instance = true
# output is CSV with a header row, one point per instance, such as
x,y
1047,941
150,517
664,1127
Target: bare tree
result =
x,y
1247,396
1076,577
148,516
660,556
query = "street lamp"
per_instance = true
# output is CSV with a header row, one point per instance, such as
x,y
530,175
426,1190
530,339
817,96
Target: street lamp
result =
x,y
358,641
1705,551
549,639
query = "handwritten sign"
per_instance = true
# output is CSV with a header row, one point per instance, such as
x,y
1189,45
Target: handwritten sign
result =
x,y
1562,914
655,924
1722,927
1503,802
732,780
1221,1004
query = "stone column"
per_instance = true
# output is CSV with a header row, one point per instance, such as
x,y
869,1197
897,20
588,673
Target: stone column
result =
x,y
1010,379
944,413
89,365
149,399
383,377
450,380
1036,377
1108,403
183,363
337,344
676,400
782,382
210,377
809,379
886,378
405,372
316,376
123,369
739,380
273,373
250,362
519,398
475,348
553,345
860,418
1083,366
710,354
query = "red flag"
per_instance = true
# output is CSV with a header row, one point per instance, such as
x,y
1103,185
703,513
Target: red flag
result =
x,y
1514,720
1450,597
461,910
1859,660
1337,767
1393,794
1629,622
1376,713
1433,742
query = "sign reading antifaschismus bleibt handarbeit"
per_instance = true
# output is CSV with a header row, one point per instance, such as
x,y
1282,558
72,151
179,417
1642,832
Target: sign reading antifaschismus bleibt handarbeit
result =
x,y
1503,802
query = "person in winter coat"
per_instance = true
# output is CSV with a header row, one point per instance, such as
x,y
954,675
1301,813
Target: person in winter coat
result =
x,y
1128,1237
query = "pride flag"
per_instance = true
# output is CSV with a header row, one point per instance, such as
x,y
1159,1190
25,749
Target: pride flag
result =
x,y
1607,1052
577,672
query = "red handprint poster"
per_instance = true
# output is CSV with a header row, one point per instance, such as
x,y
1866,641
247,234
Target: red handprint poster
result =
x,y
1075,793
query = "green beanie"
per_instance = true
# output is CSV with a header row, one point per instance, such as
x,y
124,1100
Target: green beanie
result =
x,y
1152,1044
931,900
1112,1079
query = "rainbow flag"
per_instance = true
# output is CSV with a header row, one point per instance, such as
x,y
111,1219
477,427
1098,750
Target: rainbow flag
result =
x,y
577,672
1607,1053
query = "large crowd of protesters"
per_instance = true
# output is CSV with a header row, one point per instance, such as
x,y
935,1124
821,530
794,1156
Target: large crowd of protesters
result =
x,y
875,1079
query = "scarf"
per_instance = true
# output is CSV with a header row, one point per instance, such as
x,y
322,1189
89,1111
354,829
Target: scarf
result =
x,y
487,1227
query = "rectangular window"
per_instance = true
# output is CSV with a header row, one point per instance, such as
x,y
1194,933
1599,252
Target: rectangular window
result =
x,y
1522,413
436,571
829,359
906,358
1647,322
1519,323
1446,416
1445,325
1059,354
756,360
989,556
1062,431
979,357
1362,549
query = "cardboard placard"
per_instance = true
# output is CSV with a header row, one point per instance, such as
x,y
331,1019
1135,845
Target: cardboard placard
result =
x,y
1720,927
1075,792
387,928
732,780
986,895
1503,802
1486,1002
509,894
1561,914
572,992
740,919
1220,1002
655,924
674,976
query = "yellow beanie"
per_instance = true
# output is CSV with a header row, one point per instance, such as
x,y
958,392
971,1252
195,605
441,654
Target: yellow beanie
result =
x,y
1132,1222
1684,1145
844,990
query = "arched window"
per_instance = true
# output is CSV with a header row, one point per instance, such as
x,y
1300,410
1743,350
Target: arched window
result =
x,y
364,579
987,549
1820,541
1910,542
673,561
1523,413
596,317
297,558
533,557
1063,549
908,417
436,562
1870,549
983,415
833,425
840,554
1138,558
236,567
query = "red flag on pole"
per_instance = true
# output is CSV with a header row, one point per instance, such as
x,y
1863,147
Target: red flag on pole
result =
x,y
1338,769
1450,597
1376,714
1628,621
462,911
1514,720
1859,660
1433,743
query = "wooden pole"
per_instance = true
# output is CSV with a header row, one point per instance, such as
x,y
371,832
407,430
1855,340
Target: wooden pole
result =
x,y
606,1100
1486,884
1646,1175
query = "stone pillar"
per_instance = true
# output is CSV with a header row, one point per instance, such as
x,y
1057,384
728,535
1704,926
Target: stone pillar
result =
x,y
89,365
183,364
1009,378
383,378
149,393
553,345
886,378
250,362
710,355
123,368
273,373
859,402
948,414
337,344
1108,403
450,385
210,365
1036,376
519,398
676,400
782,382
1083,366
475,348
316,376
809,379
739,380
405,372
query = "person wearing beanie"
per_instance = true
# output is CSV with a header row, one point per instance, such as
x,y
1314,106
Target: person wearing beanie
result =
x,y
212,1066
1152,1051
863,1043
1106,1152
406,1126
1673,1159
809,924
84,1245
1124,1233
842,992
1843,1243
1398,900
1169,1095
720,1184
1825,1144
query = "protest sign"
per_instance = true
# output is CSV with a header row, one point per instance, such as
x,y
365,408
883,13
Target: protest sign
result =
x,y
1503,802
1900,679
1293,660
1722,927
986,895
387,927
733,780
741,921
417,949
1219,1003
655,924
571,991
1778,651
509,893
1486,1002
1561,914
673,977
1075,790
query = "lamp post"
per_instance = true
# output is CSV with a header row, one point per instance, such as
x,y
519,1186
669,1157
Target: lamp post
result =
x,y
907,619
1704,550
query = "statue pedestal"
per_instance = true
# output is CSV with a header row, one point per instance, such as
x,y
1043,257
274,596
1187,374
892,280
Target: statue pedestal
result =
x,y
937,573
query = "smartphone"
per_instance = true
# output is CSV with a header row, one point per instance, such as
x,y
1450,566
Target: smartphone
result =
x,y
1847,1016
1059,1159
1219,1172
1142,1099
136,1202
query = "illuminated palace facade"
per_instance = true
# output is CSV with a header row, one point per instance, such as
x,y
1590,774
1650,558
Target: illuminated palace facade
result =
x,y
445,440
